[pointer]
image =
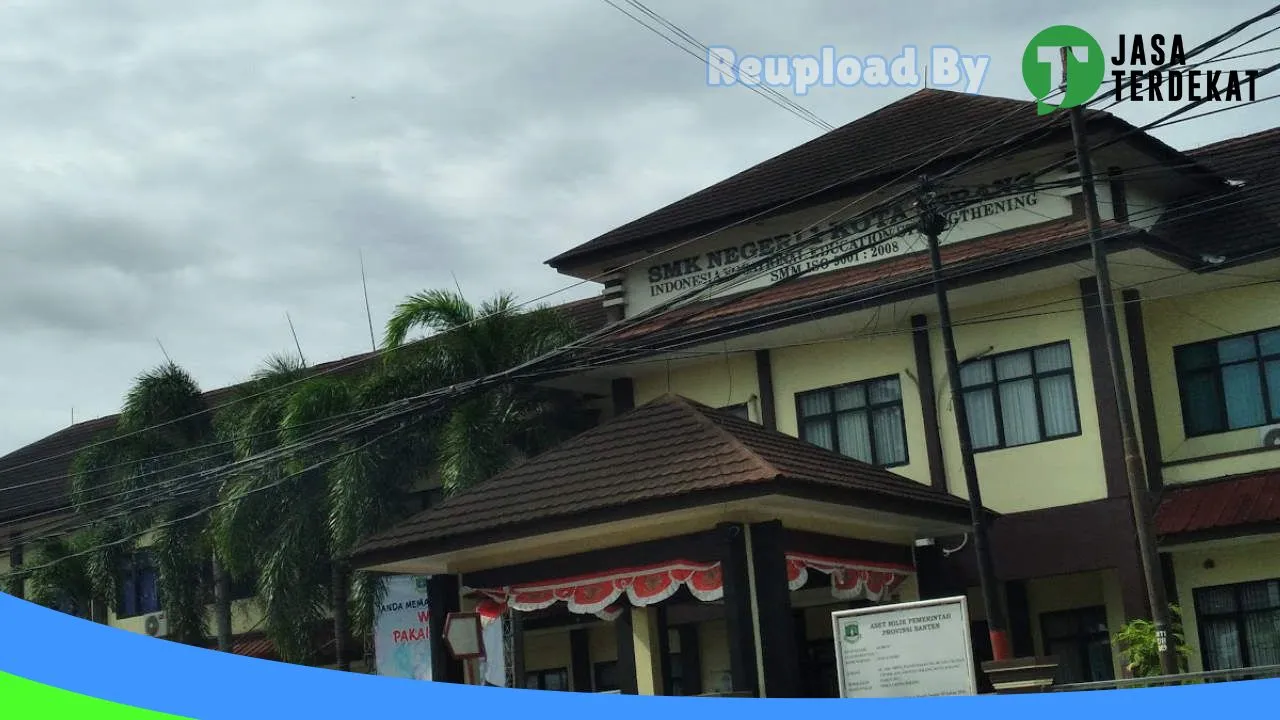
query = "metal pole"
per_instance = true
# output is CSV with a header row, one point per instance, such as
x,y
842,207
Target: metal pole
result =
x,y
932,223
1133,464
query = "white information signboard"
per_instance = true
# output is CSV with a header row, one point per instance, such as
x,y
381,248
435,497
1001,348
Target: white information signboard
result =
x,y
914,649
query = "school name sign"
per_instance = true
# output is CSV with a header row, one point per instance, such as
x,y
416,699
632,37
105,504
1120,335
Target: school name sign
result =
x,y
889,233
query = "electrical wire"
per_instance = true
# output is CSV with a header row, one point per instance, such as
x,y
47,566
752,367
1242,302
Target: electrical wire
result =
x,y
452,388
1056,249
1235,30
768,93
1161,209
789,315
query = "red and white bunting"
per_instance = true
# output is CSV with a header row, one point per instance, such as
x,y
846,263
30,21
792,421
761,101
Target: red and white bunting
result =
x,y
850,579
599,594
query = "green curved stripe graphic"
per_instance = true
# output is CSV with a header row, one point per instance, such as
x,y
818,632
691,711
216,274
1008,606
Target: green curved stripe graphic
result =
x,y
21,698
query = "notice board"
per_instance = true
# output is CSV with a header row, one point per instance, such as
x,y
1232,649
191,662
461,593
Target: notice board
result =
x,y
913,649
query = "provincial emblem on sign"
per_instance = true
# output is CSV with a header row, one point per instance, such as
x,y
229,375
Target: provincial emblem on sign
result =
x,y
851,633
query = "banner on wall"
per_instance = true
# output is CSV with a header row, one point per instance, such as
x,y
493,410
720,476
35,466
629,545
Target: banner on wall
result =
x,y
493,666
401,639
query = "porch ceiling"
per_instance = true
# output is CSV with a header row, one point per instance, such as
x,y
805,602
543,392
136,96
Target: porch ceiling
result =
x,y
669,465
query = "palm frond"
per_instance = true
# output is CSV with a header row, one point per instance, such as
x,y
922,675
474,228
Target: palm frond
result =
x,y
432,310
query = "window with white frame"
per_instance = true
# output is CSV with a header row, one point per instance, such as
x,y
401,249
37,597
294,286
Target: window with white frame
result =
x,y
1021,397
863,420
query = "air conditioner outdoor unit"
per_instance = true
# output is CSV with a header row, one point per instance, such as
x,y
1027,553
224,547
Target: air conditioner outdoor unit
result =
x,y
156,625
1270,436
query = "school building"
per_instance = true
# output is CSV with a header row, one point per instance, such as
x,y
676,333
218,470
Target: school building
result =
x,y
785,446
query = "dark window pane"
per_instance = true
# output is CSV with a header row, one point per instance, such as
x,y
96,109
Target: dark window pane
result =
x,y
1272,370
606,676
816,403
1236,349
1216,601
1221,644
1262,637
850,397
1018,412
1070,662
1197,357
885,391
557,681
148,598
817,432
1203,404
1260,595
1058,403
854,436
1242,389
977,372
1053,357
1101,666
891,445
1013,365
1270,342
980,409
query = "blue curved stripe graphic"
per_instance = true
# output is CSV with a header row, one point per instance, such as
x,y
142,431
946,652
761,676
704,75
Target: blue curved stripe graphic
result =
x,y
97,661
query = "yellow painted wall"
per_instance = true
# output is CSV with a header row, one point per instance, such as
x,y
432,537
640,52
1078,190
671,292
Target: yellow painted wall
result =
x,y
713,642
1179,320
1045,474
547,650
1238,562
714,381
809,367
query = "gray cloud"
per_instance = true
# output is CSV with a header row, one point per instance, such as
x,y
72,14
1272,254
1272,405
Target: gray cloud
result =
x,y
192,171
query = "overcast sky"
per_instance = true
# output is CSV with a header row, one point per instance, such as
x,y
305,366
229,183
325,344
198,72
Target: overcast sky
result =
x,y
192,170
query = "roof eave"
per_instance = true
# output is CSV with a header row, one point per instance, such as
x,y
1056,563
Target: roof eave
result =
x,y
945,509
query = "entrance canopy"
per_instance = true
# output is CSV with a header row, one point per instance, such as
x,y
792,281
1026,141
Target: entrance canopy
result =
x,y
629,478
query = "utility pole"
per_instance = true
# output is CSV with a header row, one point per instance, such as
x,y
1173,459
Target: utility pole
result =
x,y
931,224
1138,493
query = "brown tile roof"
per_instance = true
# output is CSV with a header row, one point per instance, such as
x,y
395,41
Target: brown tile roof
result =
x,y
861,280
34,479
255,644
895,138
1222,503
670,448
1249,223
1232,502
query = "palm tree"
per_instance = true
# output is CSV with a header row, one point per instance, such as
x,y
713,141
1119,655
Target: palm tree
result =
x,y
289,523
487,432
268,526
144,475
270,519
166,415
